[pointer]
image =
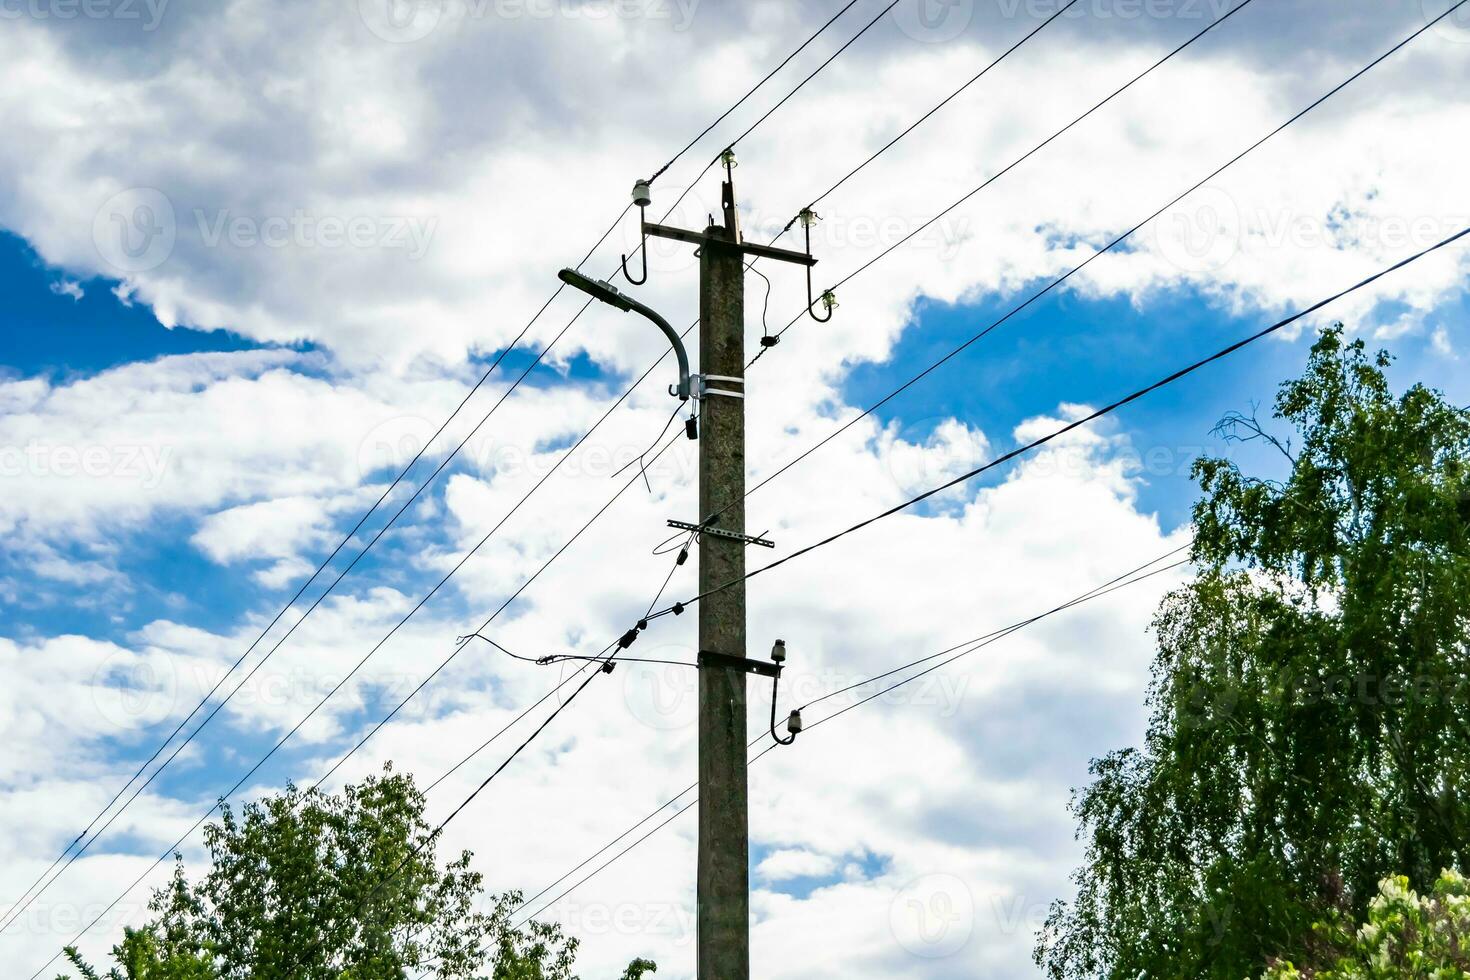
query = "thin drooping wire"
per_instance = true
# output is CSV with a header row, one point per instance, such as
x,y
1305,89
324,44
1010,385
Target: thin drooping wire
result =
x,y
925,117
819,69
1063,430
642,458
603,662
500,357
966,648
554,295
17,908
392,521
1022,159
741,101
1060,280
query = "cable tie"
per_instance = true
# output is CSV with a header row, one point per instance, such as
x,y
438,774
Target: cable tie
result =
x,y
642,625
678,609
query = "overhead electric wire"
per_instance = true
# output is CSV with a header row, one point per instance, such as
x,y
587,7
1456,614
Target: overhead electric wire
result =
x,y
1132,577
741,101
19,907
392,521
1018,161
1060,280
819,69
1070,426
925,117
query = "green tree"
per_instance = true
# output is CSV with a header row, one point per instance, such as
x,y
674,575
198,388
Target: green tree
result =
x,y
1308,731
316,886
1406,935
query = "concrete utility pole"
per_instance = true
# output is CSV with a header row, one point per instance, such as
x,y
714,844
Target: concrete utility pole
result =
x,y
723,889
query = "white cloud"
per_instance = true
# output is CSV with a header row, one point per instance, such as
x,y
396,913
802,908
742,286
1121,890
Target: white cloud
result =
x,y
505,144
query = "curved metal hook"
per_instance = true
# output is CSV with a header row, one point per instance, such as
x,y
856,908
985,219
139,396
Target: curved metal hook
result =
x,y
642,247
811,303
776,686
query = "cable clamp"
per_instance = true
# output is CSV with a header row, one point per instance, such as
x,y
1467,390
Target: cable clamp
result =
x,y
700,383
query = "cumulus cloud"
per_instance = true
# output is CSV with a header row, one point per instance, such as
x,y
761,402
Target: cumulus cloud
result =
x,y
402,203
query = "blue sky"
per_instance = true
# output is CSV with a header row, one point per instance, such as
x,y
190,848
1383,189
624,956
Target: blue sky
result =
x,y
266,377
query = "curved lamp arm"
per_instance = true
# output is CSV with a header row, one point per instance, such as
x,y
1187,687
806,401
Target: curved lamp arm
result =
x,y
609,294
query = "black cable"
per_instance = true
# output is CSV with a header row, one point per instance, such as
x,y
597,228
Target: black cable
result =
x,y
1046,290
1026,156
944,102
820,68
1125,580
706,131
1105,410
556,293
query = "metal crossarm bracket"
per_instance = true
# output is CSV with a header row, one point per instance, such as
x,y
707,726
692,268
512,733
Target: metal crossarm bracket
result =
x,y
746,248
708,658
716,532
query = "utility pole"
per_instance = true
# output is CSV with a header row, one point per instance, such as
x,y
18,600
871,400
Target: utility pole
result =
x,y
723,883
723,890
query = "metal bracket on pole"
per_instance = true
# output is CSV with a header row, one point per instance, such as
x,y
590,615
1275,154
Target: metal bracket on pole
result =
x,y
724,661
715,532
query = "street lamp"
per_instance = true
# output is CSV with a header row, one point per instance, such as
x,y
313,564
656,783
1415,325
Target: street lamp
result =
x,y
608,293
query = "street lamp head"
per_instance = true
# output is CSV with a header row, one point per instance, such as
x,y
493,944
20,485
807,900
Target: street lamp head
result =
x,y
608,293
596,288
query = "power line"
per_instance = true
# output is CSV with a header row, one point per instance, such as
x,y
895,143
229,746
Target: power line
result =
x,y
741,101
1354,77
940,105
952,654
1091,417
819,69
1017,162
1061,280
602,239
